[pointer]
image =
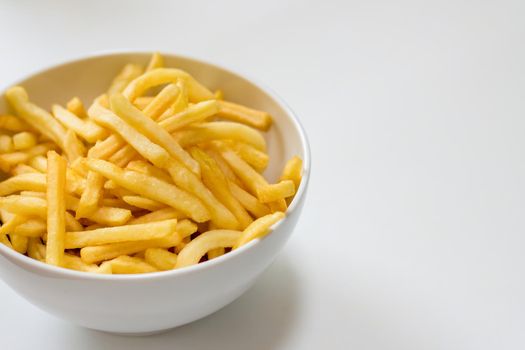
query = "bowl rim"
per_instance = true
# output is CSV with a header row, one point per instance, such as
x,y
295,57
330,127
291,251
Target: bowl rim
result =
x,y
56,271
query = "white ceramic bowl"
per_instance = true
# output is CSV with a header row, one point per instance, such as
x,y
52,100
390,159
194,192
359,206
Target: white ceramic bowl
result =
x,y
148,303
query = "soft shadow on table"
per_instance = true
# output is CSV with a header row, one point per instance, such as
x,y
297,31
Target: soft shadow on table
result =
x,y
260,319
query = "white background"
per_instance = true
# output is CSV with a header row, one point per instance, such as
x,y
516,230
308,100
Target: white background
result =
x,y
413,232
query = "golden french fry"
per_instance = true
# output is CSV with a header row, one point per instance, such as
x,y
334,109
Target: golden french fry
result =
x,y
87,129
278,205
156,61
162,102
73,262
35,116
34,228
219,95
40,149
148,169
23,140
123,156
109,251
188,181
76,107
6,144
33,206
12,123
193,114
152,188
105,268
91,196
23,182
19,242
293,171
130,265
248,201
238,113
128,73
117,234
39,163
56,208
197,248
32,249
151,131
75,148
159,76
9,160
216,181
259,228
160,258
140,143
105,149
23,169
276,192
157,215
215,253
144,203
142,102
180,104
257,159
206,132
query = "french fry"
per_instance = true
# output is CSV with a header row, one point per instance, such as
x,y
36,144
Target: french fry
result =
x,y
216,181
56,208
259,228
148,169
23,169
73,262
188,181
206,132
6,144
40,149
19,242
128,73
33,206
152,188
143,203
32,249
12,123
39,163
105,268
142,102
35,116
162,102
129,265
151,131
91,195
23,182
9,160
180,104
255,182
138,141
248,201
157,215
94,254
193,114
278,205
75,148
257,159
117,234
87,129
137,87
76,107
215,253
156,61
160,258
33,228
123,156
293,171
23,140
238,113
198,247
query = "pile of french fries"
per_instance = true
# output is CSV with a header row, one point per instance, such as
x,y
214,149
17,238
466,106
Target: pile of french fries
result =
x,y
158,173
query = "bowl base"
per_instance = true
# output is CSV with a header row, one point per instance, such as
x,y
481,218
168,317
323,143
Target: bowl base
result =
x,y
137,334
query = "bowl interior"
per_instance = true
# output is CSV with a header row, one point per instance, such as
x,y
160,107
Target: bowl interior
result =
x,y
87,78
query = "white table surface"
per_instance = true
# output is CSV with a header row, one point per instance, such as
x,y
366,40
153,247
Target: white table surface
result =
x,y
413,233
